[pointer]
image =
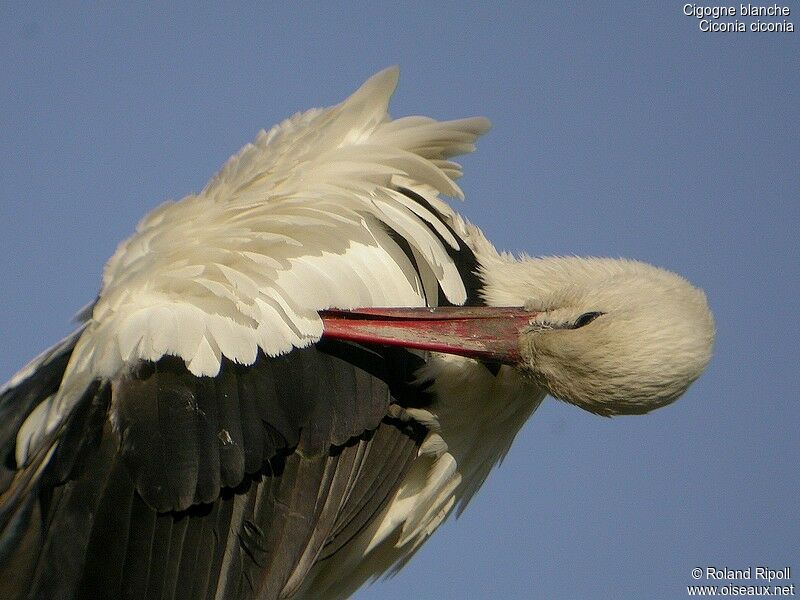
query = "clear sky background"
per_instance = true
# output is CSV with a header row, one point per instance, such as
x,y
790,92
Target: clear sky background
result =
x,y
619,130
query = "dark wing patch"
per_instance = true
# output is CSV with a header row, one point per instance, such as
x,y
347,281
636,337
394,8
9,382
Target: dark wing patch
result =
x,y
259,540
19,508
184,437
17,402
292,458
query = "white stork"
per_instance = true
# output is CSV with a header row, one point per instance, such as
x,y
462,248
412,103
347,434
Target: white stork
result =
x,y
223,425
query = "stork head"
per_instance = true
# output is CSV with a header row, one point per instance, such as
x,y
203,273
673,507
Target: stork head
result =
x,y
613,336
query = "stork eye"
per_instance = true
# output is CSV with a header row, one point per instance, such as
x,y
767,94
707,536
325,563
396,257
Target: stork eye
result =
x,y
585,319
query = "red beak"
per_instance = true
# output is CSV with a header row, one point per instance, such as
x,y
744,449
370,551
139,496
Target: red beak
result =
x,y
480,332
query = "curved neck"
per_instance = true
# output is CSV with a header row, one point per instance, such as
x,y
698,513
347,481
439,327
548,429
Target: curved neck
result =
x,y
510,281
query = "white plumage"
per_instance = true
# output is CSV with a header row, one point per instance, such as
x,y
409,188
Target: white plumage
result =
x,y
340,207
292,224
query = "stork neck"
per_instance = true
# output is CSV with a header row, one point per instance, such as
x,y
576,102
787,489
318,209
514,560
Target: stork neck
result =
x,y
510,281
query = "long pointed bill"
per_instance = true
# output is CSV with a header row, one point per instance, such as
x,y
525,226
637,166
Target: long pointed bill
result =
x,y
480,332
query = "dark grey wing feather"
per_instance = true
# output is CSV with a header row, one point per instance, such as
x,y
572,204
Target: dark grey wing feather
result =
x,y
231,436
176,428
36,382
386,460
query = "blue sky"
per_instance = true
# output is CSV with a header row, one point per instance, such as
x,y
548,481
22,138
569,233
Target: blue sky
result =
x,y
620,130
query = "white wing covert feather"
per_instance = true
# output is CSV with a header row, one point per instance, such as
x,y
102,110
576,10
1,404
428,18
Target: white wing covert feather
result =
x,y
296,222
276,234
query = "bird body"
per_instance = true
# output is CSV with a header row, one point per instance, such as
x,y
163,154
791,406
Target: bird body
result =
x,y
206,434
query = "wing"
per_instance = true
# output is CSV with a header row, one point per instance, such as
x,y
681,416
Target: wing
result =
x,y
321,211
305,218
193,439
